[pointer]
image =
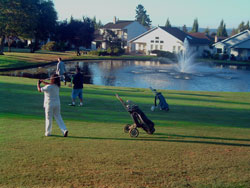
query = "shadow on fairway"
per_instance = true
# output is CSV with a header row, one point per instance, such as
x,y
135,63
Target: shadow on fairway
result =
x,y
200,137
162,139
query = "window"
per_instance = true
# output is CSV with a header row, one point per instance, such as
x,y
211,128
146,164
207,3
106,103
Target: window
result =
x,y
161,47
219,50
156,37
161,41
156,41
152,47
179,48
152,41
156,47
173,48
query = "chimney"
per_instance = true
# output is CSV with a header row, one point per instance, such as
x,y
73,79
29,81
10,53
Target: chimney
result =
x,y
215,38
114,20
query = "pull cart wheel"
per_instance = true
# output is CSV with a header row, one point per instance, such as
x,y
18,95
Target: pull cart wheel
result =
x,y
133,132
126,128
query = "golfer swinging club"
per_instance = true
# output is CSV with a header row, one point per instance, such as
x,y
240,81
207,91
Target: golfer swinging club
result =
x,y
52,104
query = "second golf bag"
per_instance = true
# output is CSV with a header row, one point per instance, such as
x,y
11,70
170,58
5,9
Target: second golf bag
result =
x,y
162,102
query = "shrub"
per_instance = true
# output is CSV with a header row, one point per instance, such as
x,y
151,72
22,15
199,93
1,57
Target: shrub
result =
x,y
225,57
110,51
216,56
166,54
20,44
54,46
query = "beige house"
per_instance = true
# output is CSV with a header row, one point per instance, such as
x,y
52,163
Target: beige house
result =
x,y
123,29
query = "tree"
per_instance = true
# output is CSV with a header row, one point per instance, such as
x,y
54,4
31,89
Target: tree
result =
x,y
207,31
168,24
16,18
195,28
222,31
28,19
141,16
247,25
184,28
75,33
45,23
241,27
234,32
98,24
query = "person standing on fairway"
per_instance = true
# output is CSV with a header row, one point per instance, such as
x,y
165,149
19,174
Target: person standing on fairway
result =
x,y
52,104
77,88
61,70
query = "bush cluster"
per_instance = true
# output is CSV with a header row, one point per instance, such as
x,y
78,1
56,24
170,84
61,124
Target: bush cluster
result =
x,y
54,46
161,53
108,52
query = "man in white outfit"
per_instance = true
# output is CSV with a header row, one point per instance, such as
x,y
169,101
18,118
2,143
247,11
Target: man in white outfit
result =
x,y
61,70
52,104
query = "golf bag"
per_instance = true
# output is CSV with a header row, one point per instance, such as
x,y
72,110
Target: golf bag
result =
x,y
162,102
141,120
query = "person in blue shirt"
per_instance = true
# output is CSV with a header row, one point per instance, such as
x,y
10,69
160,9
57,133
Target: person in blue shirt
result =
x,y
77,81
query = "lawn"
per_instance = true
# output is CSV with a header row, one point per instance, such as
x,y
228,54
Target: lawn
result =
x,y
203,141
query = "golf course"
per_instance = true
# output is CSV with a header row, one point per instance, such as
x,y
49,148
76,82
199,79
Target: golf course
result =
x,y
203,141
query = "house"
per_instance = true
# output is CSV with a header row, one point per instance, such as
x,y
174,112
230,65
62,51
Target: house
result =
x,y
124,30
237,46
167,39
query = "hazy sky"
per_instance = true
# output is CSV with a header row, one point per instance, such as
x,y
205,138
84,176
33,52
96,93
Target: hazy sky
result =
x,y
180,12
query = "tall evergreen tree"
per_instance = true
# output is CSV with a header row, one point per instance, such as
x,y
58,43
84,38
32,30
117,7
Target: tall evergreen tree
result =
x,y
184,28
222,31
241,27
141,16
247,25
168,24
195,26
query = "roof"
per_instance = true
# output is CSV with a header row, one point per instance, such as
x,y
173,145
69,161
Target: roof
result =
x,y
181,35
118,25
236,39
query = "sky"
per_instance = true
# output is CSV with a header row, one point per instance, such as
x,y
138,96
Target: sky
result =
x,y
180,12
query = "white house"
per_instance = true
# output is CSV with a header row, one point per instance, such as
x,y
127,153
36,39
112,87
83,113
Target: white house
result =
x,y
167,39
237,45
123,29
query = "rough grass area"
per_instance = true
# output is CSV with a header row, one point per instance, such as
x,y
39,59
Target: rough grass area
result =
x,y
19,58
203,141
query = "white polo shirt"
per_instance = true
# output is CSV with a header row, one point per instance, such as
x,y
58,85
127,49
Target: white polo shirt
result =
x,y
51,95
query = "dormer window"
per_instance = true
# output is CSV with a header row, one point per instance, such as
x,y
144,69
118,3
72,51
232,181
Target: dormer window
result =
x,y
156,37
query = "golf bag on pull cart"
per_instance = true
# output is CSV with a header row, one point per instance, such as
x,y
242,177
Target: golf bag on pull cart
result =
x,y
162,101
139,118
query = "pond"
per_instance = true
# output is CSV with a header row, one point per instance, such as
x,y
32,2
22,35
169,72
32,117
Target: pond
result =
x,y
156,74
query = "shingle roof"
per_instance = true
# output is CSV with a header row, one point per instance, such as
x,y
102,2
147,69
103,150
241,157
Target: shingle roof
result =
x,y
181,35
118,25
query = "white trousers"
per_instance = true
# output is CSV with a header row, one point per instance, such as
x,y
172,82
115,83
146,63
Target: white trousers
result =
x,y
51,111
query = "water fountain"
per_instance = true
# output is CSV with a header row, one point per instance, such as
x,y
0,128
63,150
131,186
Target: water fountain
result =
x,y
185,59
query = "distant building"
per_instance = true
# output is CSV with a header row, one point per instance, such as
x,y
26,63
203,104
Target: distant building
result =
x,y
167,39
237,45
124,30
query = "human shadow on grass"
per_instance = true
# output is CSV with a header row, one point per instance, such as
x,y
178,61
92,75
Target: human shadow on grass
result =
x,y
156,139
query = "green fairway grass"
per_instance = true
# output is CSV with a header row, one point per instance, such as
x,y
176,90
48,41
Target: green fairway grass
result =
x,y
203,141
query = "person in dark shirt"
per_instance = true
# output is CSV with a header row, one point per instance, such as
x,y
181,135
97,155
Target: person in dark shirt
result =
x,y
77,87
